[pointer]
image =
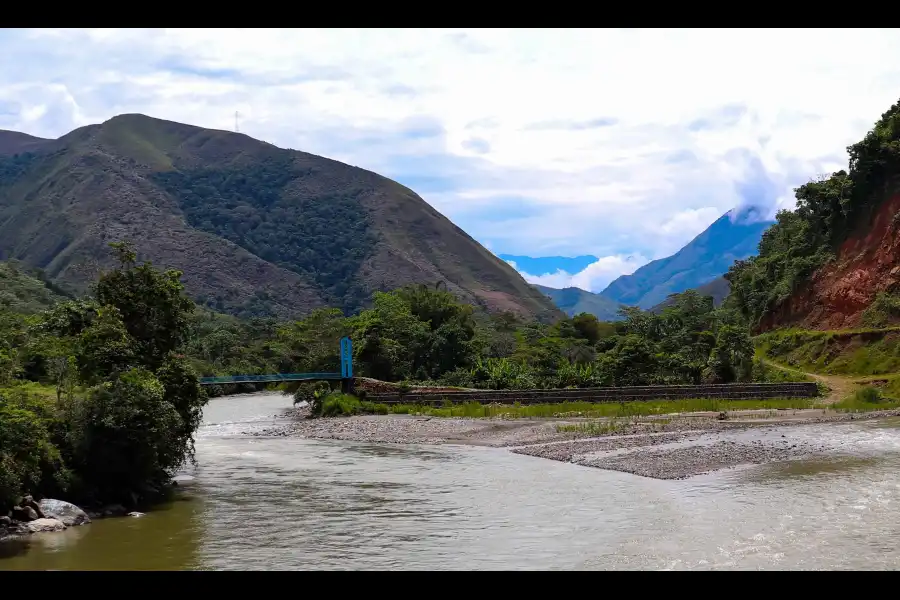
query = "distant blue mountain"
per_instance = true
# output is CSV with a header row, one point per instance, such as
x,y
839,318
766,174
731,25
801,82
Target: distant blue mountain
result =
x,y
544,265
734,236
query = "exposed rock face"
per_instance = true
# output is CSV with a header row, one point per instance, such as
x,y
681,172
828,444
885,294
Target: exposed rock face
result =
x,y
69,514
867,263
44,525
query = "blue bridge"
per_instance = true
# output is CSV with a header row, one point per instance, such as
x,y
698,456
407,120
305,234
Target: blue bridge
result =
x,y
345,375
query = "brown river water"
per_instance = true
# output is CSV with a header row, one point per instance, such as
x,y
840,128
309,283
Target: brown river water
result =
x,y
288,503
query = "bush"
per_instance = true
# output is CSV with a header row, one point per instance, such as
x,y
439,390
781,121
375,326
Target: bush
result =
x,y
313,393
127,439
28,458
337,404
868,395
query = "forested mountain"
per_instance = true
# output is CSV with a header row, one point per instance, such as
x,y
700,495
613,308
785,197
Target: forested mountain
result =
x,y
258,230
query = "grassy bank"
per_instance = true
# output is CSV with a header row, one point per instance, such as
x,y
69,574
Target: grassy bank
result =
x,y
850,352
344,405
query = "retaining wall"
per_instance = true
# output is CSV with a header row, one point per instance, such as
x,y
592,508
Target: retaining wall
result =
x,y
735,391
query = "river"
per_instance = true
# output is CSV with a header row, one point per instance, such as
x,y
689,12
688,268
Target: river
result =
x,y
288,503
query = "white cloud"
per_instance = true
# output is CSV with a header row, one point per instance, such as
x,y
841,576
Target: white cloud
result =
x,y
594,278
610,142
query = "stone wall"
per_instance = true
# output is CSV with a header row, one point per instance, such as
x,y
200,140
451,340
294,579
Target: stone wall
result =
x,y
734,391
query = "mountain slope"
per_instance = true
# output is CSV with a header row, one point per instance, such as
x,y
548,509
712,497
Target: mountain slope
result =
x,y
733,236
23,291
255,228
573,301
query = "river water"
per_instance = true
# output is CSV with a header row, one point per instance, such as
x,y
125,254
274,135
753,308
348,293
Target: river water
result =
x,y
287,503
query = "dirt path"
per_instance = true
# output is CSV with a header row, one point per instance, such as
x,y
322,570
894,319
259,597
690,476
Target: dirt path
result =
x,y
840,386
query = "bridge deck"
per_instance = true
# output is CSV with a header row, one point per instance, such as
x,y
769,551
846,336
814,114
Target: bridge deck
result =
x,y
270,378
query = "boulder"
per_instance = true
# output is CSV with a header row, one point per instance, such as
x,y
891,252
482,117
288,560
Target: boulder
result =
x,y
24,513
135,514
5,521
68,513
42,525
30,503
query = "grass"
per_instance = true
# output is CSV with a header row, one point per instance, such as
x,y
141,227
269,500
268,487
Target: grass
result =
x,y
848,352
867,399
569,409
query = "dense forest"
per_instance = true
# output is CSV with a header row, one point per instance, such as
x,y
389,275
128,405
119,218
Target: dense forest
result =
x,y
325,238
828,209
97,404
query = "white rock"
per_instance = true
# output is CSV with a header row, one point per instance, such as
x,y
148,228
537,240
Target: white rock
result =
x,y
68,513
41,525
135,514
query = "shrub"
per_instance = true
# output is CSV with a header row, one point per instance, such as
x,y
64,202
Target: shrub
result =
x,y
337,404
28,458
127,439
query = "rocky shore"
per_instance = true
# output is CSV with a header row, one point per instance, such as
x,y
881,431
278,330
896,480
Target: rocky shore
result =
x,y
49,515
664,447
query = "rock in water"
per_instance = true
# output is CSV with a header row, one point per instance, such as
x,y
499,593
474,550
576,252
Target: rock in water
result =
x,y
41,525
24,513
29,502
68,513
135,514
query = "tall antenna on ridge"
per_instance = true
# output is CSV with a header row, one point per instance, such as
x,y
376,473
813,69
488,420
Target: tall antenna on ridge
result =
x,y
236,128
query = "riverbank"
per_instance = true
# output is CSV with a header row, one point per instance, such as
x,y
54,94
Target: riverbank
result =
x,y
661,447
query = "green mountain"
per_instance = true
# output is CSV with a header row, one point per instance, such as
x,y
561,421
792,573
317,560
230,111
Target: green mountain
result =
x,y
573,301
25,291
257,230
734,236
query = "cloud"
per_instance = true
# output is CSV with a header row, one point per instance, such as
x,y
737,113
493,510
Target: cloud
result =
x,y
534,140
594,278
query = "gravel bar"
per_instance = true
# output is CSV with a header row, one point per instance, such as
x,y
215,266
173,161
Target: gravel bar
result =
x,y
699,443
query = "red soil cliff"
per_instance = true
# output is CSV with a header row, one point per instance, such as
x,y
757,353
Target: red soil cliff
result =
x,y
868,262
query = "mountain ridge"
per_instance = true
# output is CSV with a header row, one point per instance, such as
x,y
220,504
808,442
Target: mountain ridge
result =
x,y
573,301
733,236
256,229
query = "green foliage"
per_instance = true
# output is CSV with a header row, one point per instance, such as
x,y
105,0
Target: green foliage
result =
x,y
28,458
313,393
26,291
827,211
120,416
153,306
884,311
125,437
324,235
866,399
337,404
856,352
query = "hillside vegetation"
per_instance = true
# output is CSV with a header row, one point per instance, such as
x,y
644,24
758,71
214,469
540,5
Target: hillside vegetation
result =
x,y
23,290
257,230
717,289
826,264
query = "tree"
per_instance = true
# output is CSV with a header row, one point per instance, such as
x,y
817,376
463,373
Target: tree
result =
x,y
152,305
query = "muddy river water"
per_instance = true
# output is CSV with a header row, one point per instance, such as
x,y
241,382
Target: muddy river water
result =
x,y
290,503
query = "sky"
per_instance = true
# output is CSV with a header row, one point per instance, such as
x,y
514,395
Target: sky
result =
x,y
621,144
